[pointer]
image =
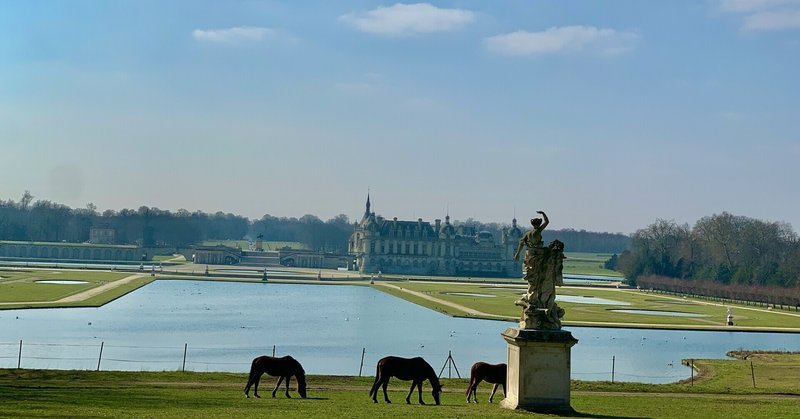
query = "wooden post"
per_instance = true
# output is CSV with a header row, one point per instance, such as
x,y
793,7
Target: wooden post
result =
x,y
753,373
363,351
273,351
19,359
613,365
185,347
691,365
101,355
449,364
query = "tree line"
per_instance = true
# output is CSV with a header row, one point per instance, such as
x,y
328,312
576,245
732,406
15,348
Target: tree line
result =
x,y
735,252
46,221
574,240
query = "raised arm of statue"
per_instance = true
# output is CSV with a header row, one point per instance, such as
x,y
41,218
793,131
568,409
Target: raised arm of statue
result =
x,y
546,220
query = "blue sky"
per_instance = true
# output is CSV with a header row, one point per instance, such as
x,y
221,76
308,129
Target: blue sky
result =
x,y
606,114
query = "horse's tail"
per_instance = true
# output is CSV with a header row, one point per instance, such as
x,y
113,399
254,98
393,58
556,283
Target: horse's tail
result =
x,y
374,390
253,366
252,378
253,370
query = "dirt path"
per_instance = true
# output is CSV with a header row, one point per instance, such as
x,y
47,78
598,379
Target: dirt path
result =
x,y
98,290
365,388
85,294
457,306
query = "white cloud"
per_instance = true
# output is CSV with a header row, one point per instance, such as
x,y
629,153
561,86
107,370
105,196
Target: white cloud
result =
x,y
408,19
562,39
773,21
743,6
765,15
234,35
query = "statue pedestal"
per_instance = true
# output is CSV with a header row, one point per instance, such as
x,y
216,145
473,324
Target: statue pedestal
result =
x,y
538,370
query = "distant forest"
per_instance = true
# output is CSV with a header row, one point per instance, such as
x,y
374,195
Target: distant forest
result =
x,y
723,255
43,220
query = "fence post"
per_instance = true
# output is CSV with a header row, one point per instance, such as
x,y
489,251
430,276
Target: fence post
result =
x,y
273,351
691,365
19,359
363,351
101,355
185,347
449,365
613,365
753,373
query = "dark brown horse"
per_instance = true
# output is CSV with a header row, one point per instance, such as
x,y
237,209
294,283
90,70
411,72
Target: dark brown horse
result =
x,y
494,374
414,369
284,368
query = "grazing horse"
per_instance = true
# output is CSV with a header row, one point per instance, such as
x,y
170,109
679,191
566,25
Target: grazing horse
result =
x,y
494,374
414,369
284,368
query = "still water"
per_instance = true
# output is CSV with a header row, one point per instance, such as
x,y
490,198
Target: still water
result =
x,y
223,326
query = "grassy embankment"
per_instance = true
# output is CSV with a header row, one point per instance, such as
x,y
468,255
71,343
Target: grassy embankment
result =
x,y
498,301
724,390
170,259
588,264
19,289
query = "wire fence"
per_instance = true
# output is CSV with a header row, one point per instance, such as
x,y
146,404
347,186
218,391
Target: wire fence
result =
x,y
109,357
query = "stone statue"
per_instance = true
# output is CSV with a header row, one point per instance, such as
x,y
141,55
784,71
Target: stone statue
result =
x,y
543,271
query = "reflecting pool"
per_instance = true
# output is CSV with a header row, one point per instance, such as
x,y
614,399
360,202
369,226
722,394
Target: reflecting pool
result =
x,y
222,326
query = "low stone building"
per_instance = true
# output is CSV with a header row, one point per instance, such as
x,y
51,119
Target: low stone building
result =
x,y
214,255
82,252
419,248
311,259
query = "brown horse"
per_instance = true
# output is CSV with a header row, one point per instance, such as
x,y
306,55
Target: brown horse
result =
x,y
414,369
494,374
284,368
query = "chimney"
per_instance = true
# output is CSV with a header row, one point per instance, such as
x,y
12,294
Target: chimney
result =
x,y
438,224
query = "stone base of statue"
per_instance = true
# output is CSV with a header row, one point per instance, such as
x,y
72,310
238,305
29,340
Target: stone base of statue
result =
x,y
538,370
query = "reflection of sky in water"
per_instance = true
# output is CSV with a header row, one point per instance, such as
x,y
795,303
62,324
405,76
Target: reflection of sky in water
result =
x,y
660,313
589,300
255,271
61,281
325,327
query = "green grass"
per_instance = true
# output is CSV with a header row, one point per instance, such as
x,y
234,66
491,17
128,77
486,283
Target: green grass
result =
x,y
172,259
773,373
45,393
20,285
502,304
587,264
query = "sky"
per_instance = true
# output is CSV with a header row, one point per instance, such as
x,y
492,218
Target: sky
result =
x,y
608,115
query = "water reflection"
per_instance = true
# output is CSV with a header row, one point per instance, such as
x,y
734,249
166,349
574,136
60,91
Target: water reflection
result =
x,y
225,325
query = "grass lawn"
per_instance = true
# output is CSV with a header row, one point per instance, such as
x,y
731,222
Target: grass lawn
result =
x,y
21,285
770,373
19,290
47,393
588,264
172,259
499,301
